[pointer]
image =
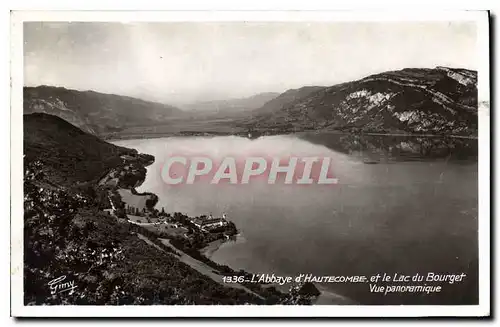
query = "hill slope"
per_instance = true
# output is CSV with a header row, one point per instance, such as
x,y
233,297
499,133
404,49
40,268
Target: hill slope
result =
x,y
96,112
77,156
286,98
67,234
413,100
231,106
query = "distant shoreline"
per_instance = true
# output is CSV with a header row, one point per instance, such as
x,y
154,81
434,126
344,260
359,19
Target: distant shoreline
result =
x,y
145,136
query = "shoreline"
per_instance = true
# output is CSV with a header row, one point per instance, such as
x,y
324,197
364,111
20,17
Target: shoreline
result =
x,y
204,253
128,137
203,263
200,260
205,269
212,247
326,297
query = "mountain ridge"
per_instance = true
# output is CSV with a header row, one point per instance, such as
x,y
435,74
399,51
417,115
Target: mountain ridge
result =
x,y
287,96
96,112
437,100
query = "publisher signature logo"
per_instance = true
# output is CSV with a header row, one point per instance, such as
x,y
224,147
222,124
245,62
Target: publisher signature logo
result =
x,y
60,285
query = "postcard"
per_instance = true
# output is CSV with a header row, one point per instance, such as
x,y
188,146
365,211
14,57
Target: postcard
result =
x,y
250,164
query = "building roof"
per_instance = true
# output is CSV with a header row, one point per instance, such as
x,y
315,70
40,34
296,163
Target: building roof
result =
x,y
205,222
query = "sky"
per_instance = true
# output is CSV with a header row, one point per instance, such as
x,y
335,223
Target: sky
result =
x,y
186,62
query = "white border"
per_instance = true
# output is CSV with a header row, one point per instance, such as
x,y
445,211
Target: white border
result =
x,y
18,309
250,15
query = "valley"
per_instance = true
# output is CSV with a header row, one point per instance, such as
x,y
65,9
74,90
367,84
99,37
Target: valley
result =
x,y
92,208
412,101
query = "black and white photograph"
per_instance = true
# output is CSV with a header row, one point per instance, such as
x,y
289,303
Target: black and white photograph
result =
x,y
293,164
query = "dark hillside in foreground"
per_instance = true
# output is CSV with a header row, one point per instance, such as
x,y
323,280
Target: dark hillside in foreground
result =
x,y
67,234
77,156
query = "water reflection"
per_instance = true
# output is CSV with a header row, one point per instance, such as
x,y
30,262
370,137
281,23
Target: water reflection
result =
x,y
413,211
375,148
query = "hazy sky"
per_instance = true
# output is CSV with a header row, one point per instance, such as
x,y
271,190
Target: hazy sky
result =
x,y
186,62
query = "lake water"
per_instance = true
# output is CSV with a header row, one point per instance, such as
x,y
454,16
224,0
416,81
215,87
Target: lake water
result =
x,y
402,205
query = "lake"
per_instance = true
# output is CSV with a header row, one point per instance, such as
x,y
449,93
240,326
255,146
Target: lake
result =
x,y
402,205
